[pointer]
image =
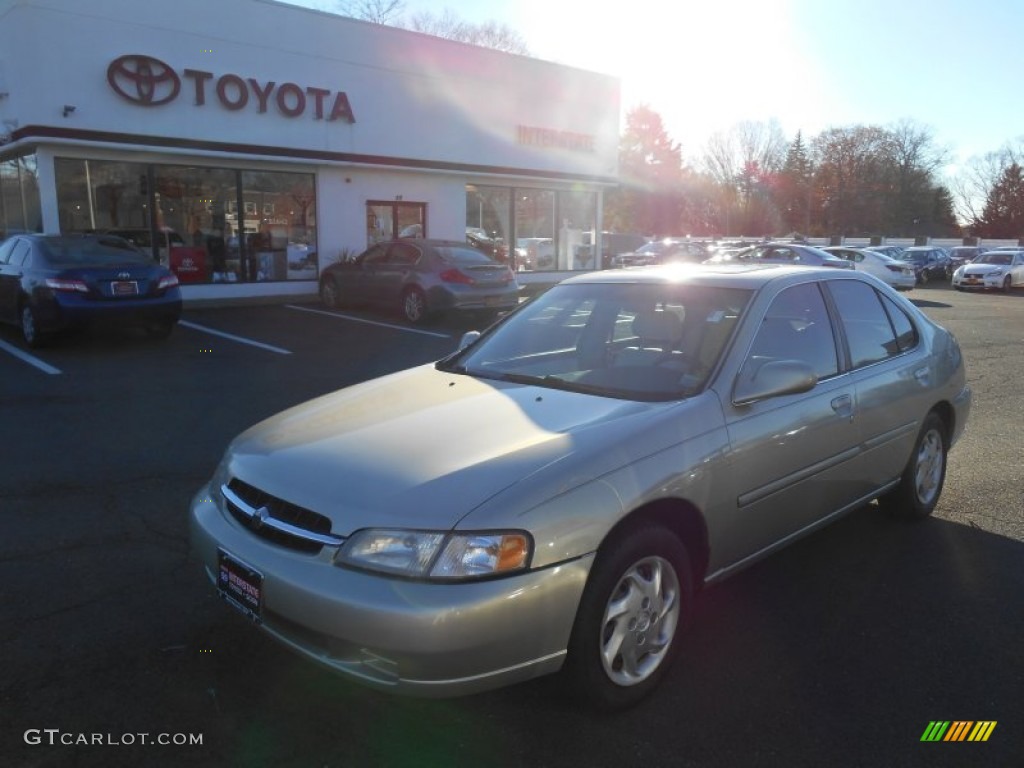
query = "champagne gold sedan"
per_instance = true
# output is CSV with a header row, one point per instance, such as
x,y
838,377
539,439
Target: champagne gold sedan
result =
x,y
549,497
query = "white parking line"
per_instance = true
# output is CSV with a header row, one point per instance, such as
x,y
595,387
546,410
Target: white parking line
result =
x,y
44,367
369,322
239,339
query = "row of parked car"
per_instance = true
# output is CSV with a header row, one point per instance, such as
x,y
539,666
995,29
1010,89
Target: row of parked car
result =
x,y
967,266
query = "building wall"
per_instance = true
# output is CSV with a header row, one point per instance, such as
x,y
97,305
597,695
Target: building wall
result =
x,y
434,103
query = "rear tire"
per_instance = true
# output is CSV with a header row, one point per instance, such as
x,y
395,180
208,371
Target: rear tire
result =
x,y
921,482
414,306
637,602
29,327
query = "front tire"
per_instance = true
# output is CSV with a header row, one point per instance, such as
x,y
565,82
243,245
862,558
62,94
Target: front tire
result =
x,y
921,482
637,602
1007,284
330,293
924,277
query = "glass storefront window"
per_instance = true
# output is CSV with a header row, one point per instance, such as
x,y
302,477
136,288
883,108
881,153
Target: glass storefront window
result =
x,y
279,225
19,196
191,222
549,228
193,213
578,217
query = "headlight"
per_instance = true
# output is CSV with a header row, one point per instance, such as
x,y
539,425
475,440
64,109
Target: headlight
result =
x,y
959,273
436,555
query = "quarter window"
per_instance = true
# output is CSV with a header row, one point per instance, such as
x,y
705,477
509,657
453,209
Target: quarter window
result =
x,y
906,333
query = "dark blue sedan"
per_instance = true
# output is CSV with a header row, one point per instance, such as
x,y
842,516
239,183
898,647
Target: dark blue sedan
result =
x,y
51,283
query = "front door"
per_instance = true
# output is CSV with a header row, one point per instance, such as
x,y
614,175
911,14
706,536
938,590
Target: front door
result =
x,y
807,470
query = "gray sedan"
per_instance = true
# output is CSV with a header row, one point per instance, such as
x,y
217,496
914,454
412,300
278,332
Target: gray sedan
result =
x,y
550,497
421,278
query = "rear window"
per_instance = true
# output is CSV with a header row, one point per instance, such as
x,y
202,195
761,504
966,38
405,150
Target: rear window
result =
x,y
69,253
463,257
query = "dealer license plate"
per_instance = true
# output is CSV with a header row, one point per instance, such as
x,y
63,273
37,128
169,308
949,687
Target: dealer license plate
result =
x,y
240,584
125,288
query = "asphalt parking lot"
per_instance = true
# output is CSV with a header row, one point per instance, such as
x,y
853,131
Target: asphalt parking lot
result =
x,y
838,651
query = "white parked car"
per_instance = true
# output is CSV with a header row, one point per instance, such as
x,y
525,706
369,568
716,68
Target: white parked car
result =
x,y
995,270
897,274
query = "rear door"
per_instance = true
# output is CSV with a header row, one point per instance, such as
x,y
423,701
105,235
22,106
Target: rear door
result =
x,y
395,271
13,253
891,377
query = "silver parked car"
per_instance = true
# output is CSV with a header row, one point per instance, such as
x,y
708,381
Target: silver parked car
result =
x,y
550,497
421,278
897,274
785,253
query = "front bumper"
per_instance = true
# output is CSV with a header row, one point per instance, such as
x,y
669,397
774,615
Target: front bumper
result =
x,y
979,283
418,638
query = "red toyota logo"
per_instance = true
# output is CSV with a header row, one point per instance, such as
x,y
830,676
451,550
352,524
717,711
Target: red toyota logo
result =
x,y
143,80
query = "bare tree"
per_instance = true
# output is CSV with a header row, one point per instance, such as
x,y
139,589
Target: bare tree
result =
x,y
743,162
974,182
377,11
489,34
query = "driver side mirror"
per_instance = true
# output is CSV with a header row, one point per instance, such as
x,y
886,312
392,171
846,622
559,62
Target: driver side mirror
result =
x,y
468,338
772,378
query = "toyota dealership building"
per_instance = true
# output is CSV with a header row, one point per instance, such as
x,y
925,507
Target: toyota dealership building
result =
x,y
249,143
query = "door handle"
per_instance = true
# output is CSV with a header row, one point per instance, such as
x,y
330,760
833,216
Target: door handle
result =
x,y
843,406
923,375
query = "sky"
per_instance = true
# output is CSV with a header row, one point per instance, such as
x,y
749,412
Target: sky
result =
x,y
946,65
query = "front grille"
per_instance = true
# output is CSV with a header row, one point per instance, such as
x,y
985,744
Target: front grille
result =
x,y
280,510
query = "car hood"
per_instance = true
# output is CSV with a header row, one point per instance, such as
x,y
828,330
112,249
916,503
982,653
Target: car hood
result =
x,y
421,447
984,269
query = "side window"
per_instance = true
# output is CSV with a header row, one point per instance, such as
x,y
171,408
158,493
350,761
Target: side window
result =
x,y
906,332
375,255
5,251
403,254
865,322
20,253
797,327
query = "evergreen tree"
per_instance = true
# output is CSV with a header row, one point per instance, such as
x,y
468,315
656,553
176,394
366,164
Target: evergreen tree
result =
x,y
648,199
1003,214
793,192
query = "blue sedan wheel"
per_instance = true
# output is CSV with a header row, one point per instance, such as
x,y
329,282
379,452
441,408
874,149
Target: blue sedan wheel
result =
x,y
29,329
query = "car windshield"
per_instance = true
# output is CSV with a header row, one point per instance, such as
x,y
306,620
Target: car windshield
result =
x,y
630,341
995,258
88,252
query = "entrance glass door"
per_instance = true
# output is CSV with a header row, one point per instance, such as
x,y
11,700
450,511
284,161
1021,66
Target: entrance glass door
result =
x,y
392,220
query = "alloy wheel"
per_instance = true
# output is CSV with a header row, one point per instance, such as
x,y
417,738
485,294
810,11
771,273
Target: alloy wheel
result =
x,y
640,621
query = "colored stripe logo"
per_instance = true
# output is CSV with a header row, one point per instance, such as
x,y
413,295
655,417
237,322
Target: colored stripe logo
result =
x,y
958,730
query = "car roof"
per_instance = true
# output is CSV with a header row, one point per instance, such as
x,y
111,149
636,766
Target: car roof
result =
x,y
725,274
